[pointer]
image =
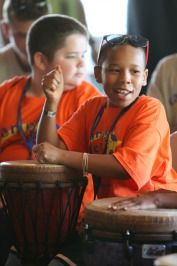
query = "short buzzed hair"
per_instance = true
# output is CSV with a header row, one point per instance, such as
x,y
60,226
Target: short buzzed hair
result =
x,y
48,34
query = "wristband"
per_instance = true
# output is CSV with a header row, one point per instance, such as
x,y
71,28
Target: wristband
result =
x,y
85,164
49,113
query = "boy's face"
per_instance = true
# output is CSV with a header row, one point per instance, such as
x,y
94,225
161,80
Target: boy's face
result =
x,y
122,74
71,58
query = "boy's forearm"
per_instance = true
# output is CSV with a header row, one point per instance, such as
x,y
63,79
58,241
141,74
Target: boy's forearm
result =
x,y
98,164
47,130
106,165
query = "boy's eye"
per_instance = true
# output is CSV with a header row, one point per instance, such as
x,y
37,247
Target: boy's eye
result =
x,y
83,55
113,70
75,56
135,71
71,56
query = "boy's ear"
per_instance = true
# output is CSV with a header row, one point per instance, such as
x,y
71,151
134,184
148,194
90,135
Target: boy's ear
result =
x,y
5,31
97,73
145,77
40,61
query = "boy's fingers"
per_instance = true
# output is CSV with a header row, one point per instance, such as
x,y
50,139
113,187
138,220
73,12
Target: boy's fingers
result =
x,y
58,67
60,74
34,148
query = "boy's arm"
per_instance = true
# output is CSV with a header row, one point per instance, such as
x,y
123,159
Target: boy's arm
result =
x,y
99,164
47,127
53,86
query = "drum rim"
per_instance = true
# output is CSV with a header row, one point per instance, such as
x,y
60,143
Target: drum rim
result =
x,y
30,171
29,164
149,221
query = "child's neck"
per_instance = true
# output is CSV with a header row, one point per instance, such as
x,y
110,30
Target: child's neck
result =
x,y
35,89
109,104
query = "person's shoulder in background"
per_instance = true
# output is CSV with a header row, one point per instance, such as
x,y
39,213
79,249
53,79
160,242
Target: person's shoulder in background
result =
x,y
9,64
164,70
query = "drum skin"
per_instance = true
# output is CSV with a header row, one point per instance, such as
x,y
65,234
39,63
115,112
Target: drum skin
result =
x,y
127,238
100,217
43,203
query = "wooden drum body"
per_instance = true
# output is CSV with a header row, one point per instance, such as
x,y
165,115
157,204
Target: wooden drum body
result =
x,y
123,238
43,203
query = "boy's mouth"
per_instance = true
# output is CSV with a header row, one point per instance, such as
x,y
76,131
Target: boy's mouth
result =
x,y
79,74
122,92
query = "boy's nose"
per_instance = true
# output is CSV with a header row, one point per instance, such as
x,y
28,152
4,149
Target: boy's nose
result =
x,y
81,61
125,76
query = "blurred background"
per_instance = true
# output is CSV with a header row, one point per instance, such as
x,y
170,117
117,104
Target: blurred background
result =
x,y
156,20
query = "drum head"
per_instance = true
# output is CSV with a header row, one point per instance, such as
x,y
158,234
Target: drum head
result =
x,y
29,171
98,216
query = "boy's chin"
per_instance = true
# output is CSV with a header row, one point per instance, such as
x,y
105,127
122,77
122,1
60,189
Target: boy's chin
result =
x,y
71,86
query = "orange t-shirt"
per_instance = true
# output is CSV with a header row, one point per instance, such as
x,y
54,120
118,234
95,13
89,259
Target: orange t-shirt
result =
x,y
140,141
12,145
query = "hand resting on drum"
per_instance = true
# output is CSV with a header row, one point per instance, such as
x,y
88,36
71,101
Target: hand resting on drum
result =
x,y
47,153
150,200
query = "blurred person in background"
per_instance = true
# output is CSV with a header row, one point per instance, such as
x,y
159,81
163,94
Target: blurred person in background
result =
x,y
18,16
73,8
163,86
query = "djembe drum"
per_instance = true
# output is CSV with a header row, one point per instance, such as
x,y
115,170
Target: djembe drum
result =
x,y
43,202
124,238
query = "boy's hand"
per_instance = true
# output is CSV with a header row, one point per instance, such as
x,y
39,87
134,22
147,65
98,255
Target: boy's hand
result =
x,y
144,201
46,153
53,85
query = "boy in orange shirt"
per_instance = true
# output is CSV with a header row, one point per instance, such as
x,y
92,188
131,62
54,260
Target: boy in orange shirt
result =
x,y
123,139
52,40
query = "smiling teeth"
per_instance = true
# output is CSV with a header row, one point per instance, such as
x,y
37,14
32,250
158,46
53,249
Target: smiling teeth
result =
x,y
122,92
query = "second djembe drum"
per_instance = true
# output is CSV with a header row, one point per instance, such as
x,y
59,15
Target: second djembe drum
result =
x,y
127,238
